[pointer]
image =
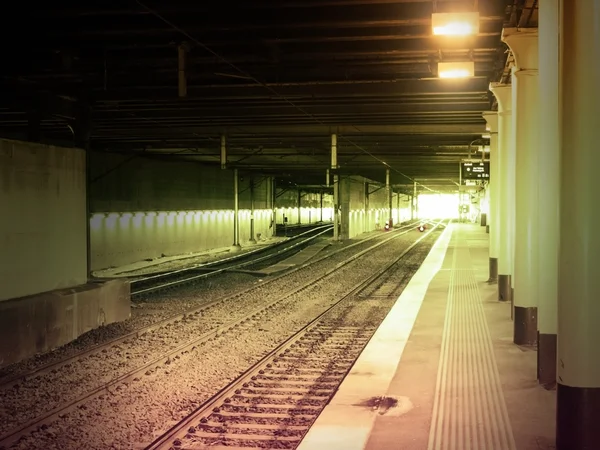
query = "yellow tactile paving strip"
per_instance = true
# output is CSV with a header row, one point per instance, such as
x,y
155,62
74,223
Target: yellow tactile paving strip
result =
x,y
469,411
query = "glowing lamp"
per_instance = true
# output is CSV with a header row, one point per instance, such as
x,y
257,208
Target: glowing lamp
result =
x,y
455,24
421,228
456,69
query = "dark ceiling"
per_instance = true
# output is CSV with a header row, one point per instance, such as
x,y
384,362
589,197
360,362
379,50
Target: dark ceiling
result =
x,y
277,77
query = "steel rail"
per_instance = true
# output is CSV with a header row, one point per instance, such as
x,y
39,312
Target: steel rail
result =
x,y
165,441
220,262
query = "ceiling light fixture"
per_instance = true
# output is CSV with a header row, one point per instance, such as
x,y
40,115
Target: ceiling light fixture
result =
x,y
455,24
456,69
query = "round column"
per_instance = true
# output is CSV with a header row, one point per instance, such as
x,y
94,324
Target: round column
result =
x,y
548,191
578,369
524,46
506,178
491,117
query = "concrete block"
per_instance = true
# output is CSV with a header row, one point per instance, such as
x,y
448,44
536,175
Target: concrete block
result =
x,y
42,322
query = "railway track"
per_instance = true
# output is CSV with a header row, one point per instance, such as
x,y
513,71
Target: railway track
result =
x,y
275,402
175,278
247,319
12,381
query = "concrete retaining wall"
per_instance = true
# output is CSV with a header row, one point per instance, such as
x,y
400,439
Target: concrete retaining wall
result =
x,y
146,208
43,221
42,322
123,238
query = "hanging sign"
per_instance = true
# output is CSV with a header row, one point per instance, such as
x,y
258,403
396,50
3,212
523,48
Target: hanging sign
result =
x,y
475,170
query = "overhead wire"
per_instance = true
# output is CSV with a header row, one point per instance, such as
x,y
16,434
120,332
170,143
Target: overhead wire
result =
x,y
273,91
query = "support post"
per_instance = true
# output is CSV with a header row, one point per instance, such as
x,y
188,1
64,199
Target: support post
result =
x,y
252,239
336,206
274,206
493,219
321,198
548,191
524,45
415,201
299,206
367,221
223,152
398,218
578,369
505,186
236,212
388,191
336,189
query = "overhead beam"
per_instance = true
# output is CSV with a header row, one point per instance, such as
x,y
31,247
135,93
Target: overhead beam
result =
x,y
241,110
291,91
325,130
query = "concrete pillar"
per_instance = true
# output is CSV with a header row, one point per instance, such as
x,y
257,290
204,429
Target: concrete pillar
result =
x,y
412,207
548,191
578,370
252,212
366,215
506,188
236,212
524,45
398,208
336,189
344,209
321,206
274,205
388,191
493,188
336,207
299,205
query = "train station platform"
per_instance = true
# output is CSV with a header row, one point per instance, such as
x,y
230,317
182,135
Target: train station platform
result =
x,y
441,372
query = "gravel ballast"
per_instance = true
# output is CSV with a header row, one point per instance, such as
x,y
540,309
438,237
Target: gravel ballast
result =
x,y
132,414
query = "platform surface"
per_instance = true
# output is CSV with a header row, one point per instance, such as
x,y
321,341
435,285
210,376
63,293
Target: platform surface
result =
x,y
442,373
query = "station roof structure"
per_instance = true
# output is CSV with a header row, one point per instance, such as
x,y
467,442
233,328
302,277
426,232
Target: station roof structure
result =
x,y
277,77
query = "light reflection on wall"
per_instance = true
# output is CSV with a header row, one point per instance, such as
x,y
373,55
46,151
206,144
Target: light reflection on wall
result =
x,y
438,206
123,238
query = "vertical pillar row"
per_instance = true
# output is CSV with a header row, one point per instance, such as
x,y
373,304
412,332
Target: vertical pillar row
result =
x,y
548,191
523,43
491,118
506,182
578,369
